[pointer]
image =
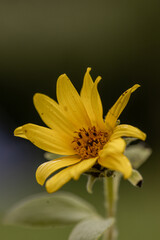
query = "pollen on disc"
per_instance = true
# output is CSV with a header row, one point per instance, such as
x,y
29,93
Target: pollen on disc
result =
x,y
88,142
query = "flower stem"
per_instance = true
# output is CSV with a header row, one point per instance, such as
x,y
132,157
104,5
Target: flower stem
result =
x,y
111,185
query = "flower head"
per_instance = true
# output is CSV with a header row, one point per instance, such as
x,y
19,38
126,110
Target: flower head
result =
x,y
76,129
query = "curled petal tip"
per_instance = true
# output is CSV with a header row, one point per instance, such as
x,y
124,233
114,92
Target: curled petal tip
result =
x,y
144,136
18,131
88,69
38,179
135,87
98,79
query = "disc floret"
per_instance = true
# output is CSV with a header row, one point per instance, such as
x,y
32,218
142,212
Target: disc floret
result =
x,y
87,143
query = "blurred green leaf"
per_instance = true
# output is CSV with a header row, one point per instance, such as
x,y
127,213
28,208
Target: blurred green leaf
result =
x,y
129,140
138,154
44,210
90,183
91,229
51,156
136,178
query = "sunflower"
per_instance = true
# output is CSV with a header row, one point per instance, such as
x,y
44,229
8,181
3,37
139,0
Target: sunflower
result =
x,y
77,130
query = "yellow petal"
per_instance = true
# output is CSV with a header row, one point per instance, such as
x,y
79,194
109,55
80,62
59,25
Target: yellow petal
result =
x,y
52,114
46,139
117,162
87,85
125,130
47,168
115,146
86,95
118,107
18,132
71,103
97,105
58,180
82,167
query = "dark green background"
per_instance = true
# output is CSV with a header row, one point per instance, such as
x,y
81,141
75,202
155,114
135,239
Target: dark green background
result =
x,y
39,40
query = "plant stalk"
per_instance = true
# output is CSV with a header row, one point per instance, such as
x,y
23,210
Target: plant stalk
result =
x,y
111,186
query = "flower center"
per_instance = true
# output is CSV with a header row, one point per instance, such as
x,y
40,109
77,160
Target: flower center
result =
x,y
89,142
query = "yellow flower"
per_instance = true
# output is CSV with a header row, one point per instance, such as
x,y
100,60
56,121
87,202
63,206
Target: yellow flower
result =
x,y
77,129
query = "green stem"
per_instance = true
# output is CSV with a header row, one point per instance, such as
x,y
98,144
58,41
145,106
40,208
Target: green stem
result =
x,y
111,185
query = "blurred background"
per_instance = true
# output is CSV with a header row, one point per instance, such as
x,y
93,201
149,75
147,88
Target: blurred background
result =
x,y
39,40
